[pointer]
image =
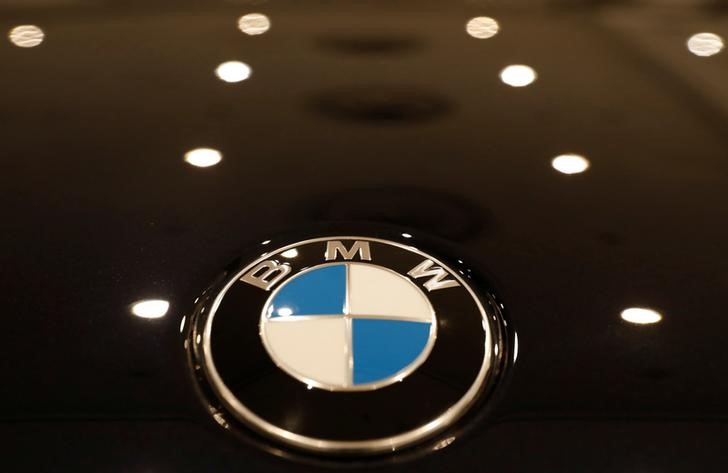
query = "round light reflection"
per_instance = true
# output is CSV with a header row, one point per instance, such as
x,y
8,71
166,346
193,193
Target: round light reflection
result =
x,y
233,71
641,315
570,163
705,44
26,36
203,157
518,75
482,27
150,308
254,24
292,253
285,312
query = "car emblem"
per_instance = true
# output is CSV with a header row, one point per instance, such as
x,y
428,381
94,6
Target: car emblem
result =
x,y
345,344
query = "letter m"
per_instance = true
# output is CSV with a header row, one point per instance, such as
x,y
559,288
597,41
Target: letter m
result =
x,y
334,247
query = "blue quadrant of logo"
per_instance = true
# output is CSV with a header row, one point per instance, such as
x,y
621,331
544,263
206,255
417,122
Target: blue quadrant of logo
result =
x,y
321,291
384,347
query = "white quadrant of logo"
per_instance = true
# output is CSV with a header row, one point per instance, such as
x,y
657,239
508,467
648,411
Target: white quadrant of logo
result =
x,y
348,326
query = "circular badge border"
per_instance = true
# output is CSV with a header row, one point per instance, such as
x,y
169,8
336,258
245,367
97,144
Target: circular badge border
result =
x,y
317,445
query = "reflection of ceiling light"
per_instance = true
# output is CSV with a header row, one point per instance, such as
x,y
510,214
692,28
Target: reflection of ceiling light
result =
x,y
285,312
203,157
642,316
705,44
570,163
482,27
254,23
233,71
150,309
292,253
26,36
444,443
518,75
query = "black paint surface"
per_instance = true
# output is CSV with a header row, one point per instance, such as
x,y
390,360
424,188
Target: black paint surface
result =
x,y
99,210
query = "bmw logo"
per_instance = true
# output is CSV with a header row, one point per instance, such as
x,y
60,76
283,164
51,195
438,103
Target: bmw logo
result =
x,y
345,345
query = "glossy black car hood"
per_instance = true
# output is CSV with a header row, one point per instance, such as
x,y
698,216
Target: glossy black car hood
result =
x,y
372,113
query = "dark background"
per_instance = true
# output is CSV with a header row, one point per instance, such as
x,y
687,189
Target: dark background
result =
x,y
369,111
